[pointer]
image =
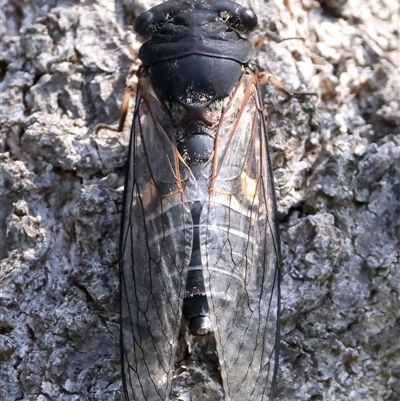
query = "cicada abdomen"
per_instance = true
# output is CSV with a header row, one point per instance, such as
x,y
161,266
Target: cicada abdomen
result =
x,y
199,236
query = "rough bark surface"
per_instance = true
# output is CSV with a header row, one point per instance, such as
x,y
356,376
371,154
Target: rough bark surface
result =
x,y
64,66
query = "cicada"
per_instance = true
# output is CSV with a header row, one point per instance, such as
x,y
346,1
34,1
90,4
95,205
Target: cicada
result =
x,y
199,239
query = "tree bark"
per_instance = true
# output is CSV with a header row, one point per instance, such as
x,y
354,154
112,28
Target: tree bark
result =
x,y
64,67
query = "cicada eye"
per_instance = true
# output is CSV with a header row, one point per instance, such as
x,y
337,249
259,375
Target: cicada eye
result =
x,y
142,23
241,19
248,18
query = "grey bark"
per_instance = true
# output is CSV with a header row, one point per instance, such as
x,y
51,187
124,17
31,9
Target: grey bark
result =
x,y
64,67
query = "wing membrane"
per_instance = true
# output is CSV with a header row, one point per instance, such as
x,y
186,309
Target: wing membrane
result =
x,y
240,249
156,240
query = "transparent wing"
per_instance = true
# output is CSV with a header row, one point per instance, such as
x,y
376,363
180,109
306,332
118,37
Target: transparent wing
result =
x,y
240,249
156,240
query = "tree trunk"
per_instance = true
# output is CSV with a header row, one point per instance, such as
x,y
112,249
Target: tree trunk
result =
x,y
64,68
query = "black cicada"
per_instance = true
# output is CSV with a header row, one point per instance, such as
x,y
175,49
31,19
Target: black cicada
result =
x,y
200,240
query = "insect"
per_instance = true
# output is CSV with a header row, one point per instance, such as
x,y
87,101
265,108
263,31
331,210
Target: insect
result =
x,y
199,239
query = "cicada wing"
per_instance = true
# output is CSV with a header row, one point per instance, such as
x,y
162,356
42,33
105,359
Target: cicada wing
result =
x,y
156,240
240,249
